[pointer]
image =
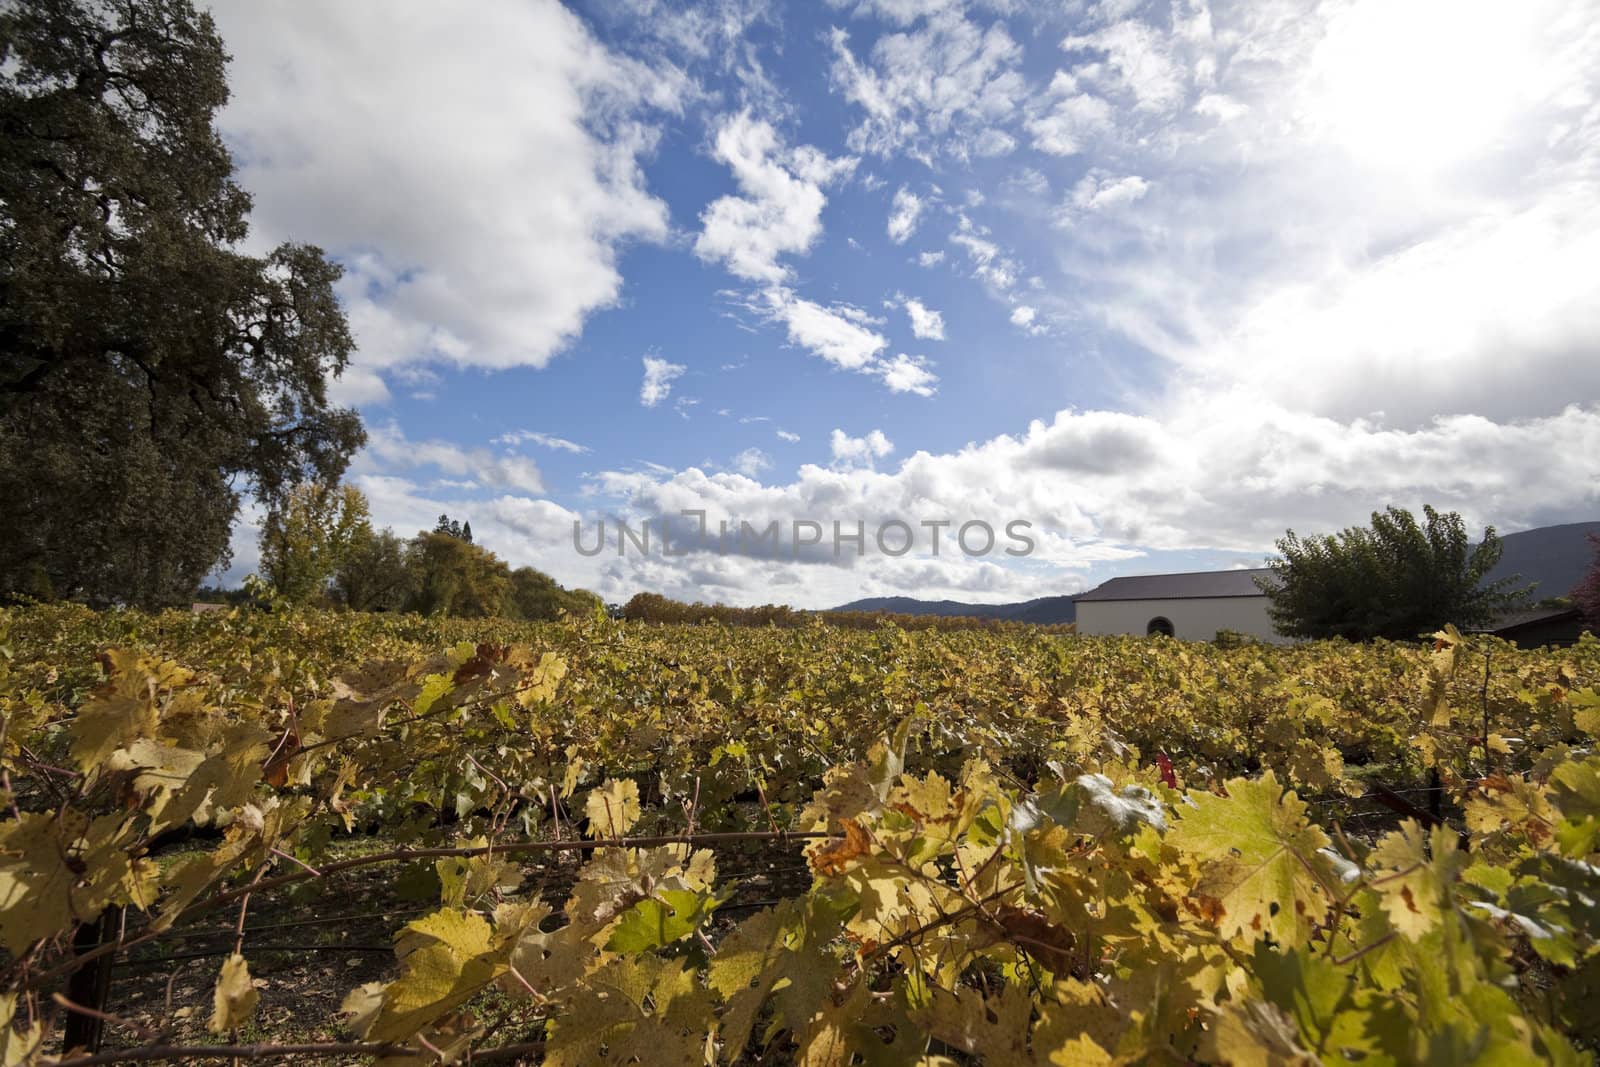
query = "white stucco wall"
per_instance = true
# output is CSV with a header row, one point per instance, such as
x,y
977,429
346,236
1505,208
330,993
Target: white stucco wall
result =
x,y
1193,619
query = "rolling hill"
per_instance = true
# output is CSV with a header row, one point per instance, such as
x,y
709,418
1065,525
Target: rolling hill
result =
x,y
1551,557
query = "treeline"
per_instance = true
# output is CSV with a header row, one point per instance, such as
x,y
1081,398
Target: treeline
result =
x,y
653,607
319,547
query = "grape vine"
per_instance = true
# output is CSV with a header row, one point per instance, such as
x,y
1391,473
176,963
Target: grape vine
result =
x,y
1015,847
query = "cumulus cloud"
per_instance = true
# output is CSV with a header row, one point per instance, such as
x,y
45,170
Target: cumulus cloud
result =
x,y
904,214
926,323
1227,476
785,435
459,260
388,448
840,334
1067,120
779,211
909,374
751,462
846,449
658,377
930,259
1100,191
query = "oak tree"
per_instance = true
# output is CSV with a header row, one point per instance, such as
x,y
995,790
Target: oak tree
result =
x,y
151,371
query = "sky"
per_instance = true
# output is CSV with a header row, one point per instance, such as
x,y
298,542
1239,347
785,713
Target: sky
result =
x,y
1159,280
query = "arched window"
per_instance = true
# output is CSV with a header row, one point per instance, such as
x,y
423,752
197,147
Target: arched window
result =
x,y
1159,625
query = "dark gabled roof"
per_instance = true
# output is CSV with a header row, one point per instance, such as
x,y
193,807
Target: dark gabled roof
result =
x,y
1195,585
1513,621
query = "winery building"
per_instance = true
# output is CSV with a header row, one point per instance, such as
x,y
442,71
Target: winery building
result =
x,y
1191,606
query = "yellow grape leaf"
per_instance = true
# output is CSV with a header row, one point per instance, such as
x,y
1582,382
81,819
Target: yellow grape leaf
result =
x,y
1586,710
446,958
122,710
56,871
466,878
642,1009
17,1048
1256,851
234,1001
765,957
35,880
574,771
613,808
1414,874
1258,1034
1080,1051
1316,766
993,1028
539,684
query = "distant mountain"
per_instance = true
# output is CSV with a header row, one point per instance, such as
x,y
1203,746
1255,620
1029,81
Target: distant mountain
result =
x,y
1554,557
1044,611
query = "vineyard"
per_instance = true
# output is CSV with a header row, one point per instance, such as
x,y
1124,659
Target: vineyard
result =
x,y
344,837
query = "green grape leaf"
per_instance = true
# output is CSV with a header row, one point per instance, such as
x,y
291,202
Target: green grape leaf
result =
x,y
1257,853
659,921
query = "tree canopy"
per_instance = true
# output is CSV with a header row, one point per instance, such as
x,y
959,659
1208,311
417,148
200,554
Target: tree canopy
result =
x,y
1586,594
152,372
1397,579
308,536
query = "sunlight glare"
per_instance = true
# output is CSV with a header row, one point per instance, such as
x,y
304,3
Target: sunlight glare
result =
x,y
1418,86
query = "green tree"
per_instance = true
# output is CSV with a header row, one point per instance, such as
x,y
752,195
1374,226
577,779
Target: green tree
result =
x,y
373,575
1396,579
451,577
150,371
536,596
308,535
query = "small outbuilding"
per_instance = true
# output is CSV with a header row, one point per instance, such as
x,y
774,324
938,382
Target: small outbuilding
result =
x,y
1534,627
1194,606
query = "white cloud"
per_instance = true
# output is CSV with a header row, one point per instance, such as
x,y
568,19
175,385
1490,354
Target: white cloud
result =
x,y
908,374
994,142
1137,62
1377,208
658,377
988,262
846,449
1223,473
926,323
431,179
545,440
751,462
846,337
1099,191
1067,120
780,211
785,435
937,89
903,215
388,447
1023,316
840,334
930,259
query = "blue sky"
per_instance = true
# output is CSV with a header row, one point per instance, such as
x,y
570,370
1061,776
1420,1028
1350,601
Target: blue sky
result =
x,y
1162,279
